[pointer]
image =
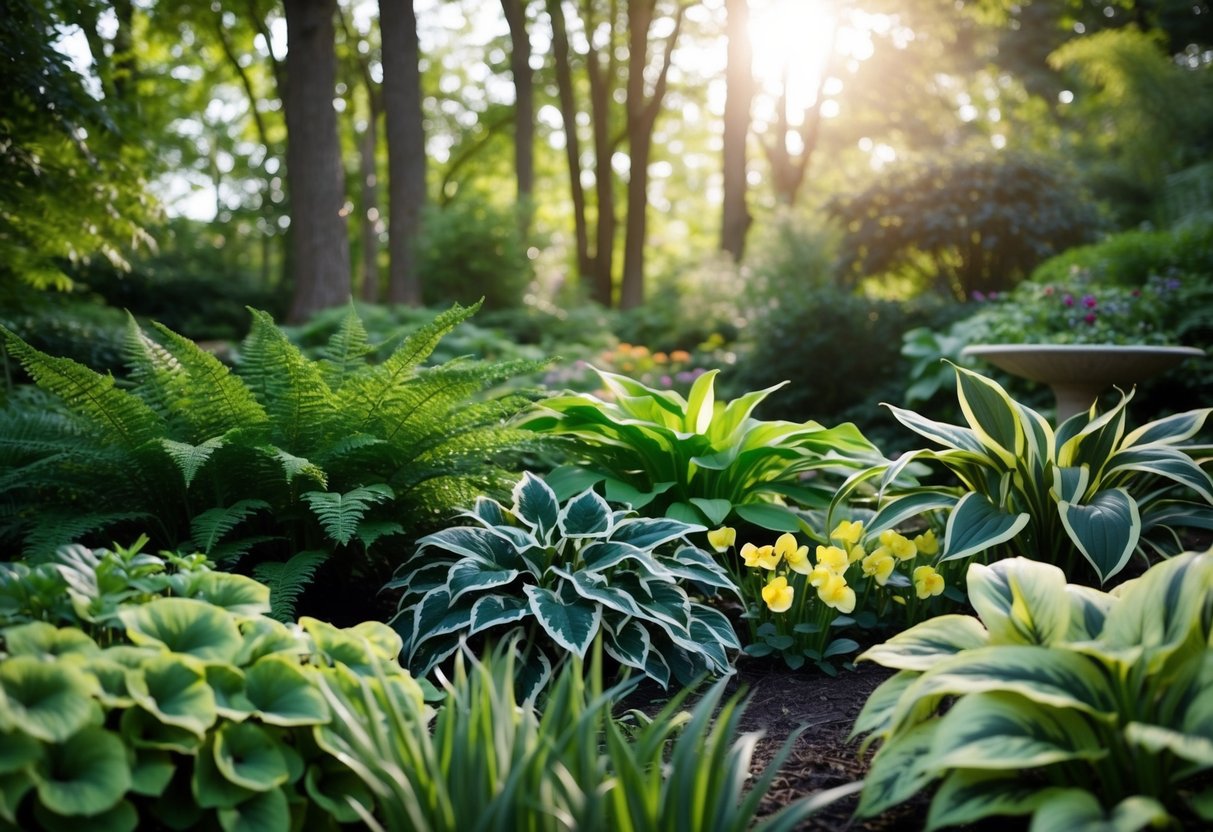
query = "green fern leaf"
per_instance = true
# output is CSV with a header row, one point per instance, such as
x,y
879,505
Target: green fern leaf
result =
x,y
294,466
229,553
287,580
346,351
190,458
53,529
340,514
371,531
209,527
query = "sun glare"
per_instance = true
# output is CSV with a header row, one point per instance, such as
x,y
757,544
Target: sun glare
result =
x,y
792,40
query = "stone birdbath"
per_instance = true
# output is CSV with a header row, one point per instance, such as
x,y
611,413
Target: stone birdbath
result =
x,y
1078,373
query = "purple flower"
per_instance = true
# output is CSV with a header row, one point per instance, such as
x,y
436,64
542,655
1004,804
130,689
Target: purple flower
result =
x,y
1172,283
1090,302
978,296
666,381
1068,300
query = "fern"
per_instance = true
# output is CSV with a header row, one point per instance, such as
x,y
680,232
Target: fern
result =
x,y
294,466
58,528
346,350
190,458
340,514
287,580
211,526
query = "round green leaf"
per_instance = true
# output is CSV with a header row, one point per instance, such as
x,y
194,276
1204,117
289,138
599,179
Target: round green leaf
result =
x,y
332,785
85,775
211,789
120,818
143,730
175,690
47,700
184,625
248,756
46,641
17,751
151,772
263,636
13,789
284,694
228,684
237,594
266,812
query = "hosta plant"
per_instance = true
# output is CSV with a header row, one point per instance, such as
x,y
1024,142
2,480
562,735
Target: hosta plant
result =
x,y
565,574
697,459
491,762
1085,709
284,460
1085,495
157,693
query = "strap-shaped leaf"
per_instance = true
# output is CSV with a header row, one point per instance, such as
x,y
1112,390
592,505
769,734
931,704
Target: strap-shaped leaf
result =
x,y
950,436
535,504
895,512
1105,529
976,525
923,645
586,515
571,625
1020,601
992,415
1170,430
701,402
1165,462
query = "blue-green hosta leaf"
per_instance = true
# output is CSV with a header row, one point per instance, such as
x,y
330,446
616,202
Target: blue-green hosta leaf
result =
x,y
571,625
649,533
340,514
1052,677
992,415
969,795
599,557
923,645
594,587
1070,484
184,625
950,436
1077,810
629,644
121,817
190,458
485,546
212,525
1004,732
1106,529
471,576
227,683
535,504
47,700
1159,611
248,756
586,515
210,788
692,564
283,693
717,624
895,512
85,775
46,641
895,773
435,615
237,594
1088,611
877,712
175,690
715,510
495,610
670,607
1020,601
1170,430
976,525
1164,462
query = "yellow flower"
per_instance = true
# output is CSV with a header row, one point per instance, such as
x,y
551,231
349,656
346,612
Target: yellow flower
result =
x,y
927,582
721,539
926,543
848,532
835,593
856,553
879,564
819,575
833,559
759,556
796,556
900,547
778,595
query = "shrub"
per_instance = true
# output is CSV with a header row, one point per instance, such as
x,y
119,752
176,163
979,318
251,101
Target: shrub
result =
x,y
1081,708
565,575
1129,258
470,250
139,690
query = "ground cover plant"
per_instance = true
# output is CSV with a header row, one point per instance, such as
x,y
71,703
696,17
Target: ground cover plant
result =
x,y
559,577
1082,708
283,461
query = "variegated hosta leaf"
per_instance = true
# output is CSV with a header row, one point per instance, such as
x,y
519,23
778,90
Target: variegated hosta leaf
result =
x,y
992,415
48,700
571,625
1070,484
1079,811
1165,462
1020,601
1106,529
628,644
535,505
649,533
895,512
692,564
494,610
717,624
1088,611
1156,739
923,645
1005,731
950,436
485,546
1159,610
596,588
969,795
1170,430
470,576
976,525
586,515
895,774
877,713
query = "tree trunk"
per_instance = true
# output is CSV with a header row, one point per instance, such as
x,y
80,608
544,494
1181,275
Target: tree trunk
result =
x,y
321,249
601,88
405,147
739,97
367,146
572,144
524,109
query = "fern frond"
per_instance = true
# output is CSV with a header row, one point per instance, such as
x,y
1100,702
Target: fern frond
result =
x,y
209,527
346,351
287,580
229,553
52,529
340,514
118,416
371,531
152,368
294,466
190,458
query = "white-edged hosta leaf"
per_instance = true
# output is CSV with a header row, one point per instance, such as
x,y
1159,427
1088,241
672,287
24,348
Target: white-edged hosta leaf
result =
x,y
1006,732
190,458
697,565
991,414
1020,601
649,533
600,556
970,795
1077,810
895,774
436,615
586,515
922,646
951,436
1165,462
596,588
895,512
571,625
717,623
629,644
494,610
535,504
976,525
1156,739
1169,430
470,576
485,546
1105,529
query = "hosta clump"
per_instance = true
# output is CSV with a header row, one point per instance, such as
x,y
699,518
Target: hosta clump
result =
x,y
565,574
156,692
1086,709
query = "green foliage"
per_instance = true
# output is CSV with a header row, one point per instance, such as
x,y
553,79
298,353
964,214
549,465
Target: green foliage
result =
x,y
68,324
565,575
1080,708
470,250
138,689
964,226
1090,491
490,762
697,459
1130,257
283,454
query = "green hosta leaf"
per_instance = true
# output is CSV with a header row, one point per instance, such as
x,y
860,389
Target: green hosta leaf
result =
x,y
1076,810
46,641
144,730
923,645
715,510
361,649
48,700
649,533
1004,731
969,795
586,515
175,690
535,504
683,513
211,526
769,516
624,493
210,788
85,775
701,401
283,693
17,750
1105,530
263,636
227,683
571,625
896,512
184,625
1020,601
151,772
123,817
237,594
383,641
471,576
190,458
895,773
340,514
249,757
13,789
976,525
495,610
567,480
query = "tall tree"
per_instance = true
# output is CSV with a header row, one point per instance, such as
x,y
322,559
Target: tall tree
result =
x,y
405,146
524,107
320,247
562,57
739,97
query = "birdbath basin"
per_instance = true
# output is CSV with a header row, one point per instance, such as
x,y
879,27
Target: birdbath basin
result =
x,y
1078,373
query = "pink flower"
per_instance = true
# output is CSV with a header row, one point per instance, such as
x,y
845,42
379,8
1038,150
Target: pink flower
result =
x,y
1049,290
1068,300
1089,317
1090,302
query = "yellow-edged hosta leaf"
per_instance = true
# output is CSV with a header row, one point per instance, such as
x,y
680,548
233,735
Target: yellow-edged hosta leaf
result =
x,y
1088,610
1105,529
1170,430
1165,462
1075,810
992,415
976,525
895,774
878,709
1020,601
923,645
969,795
1159,610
